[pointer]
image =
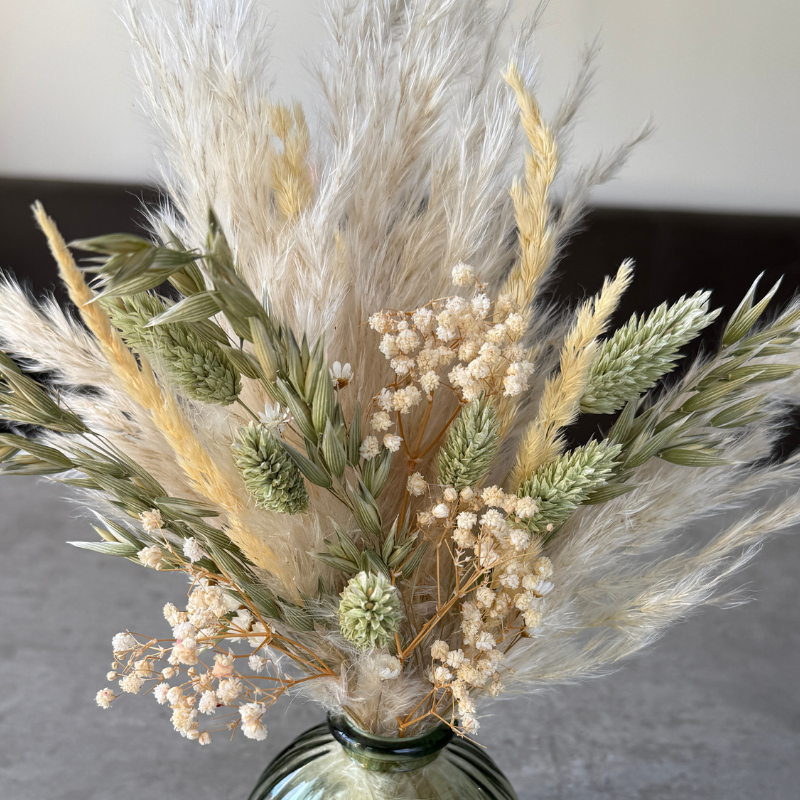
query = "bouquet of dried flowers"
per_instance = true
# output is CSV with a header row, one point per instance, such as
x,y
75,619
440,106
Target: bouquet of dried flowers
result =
x,y
338,402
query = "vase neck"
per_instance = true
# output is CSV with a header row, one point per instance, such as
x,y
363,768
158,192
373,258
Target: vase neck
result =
x,y
386,753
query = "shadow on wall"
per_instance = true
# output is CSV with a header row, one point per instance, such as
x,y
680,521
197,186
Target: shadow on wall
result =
x,y
676,253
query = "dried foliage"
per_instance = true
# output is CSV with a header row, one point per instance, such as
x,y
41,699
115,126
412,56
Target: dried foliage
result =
x,y
350,428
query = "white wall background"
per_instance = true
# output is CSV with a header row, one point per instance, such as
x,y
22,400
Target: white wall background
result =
x,y
721,78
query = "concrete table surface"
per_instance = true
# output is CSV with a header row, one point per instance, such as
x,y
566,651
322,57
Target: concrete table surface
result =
x,y
712,711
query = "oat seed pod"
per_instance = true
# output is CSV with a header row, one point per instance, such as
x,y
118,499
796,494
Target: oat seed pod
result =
x,y
559,487
199,367
642,351
369,611
270,475
471,445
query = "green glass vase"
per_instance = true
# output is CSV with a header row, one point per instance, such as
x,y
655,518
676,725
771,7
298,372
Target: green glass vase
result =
x,y
335,761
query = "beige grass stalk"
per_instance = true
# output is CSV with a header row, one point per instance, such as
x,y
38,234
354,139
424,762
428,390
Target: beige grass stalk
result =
x,y
140,383
560,402
291,178
532,209
532,204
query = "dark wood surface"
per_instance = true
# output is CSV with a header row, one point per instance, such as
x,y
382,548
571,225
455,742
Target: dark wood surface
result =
x,y
675,252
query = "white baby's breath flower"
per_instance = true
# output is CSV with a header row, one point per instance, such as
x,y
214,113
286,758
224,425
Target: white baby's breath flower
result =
x,y
104,698
439,650
204,738
173,615
519,538
467,494
523,601
370,447
494,521
463,538
122,642
490,353
386,399
144,668
429,381
223,665
493,496
151,556
428,359
175,696
446,332
510,580
392,443
484,596
257,663
381,421
462,275
160,692
515,324
533,619
341,374
480,305
478,369
425,518
441,511
402,365
469,349
497,334
450,495
252,727
441,676
543,567
423,320
381,322
208,702
131,683
388,346
469,724
416,484
151,520
192,549
406,399
408,341
526,507
455,658
229,690
466,519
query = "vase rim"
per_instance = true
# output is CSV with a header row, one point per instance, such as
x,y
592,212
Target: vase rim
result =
x,y
409,748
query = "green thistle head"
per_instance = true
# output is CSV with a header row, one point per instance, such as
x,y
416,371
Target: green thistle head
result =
x,y
369,611
268,472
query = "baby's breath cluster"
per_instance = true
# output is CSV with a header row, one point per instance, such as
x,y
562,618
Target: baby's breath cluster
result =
x,y
196,673
503,580
470,343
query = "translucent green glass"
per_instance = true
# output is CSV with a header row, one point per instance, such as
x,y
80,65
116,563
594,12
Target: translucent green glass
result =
x,y
336,761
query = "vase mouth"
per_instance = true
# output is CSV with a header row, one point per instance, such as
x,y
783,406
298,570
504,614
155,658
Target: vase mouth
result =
x,y
389,753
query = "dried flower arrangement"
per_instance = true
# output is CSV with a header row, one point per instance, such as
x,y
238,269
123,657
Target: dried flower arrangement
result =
x,y
403,532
